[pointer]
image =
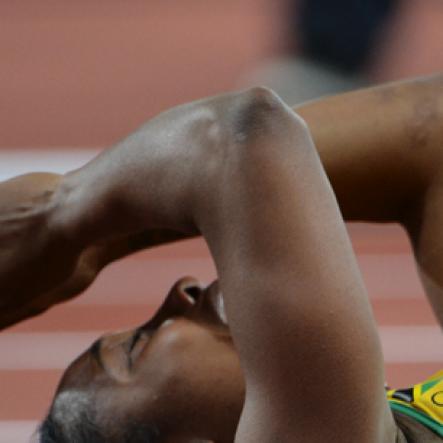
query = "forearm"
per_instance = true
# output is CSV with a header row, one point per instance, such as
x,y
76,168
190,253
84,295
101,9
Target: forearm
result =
x,y
43,263
142,192
119,247
367,140
31,261
381,147
108,208
289,280
140,184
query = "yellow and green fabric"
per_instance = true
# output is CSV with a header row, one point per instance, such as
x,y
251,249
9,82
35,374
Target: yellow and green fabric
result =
x,y
422,402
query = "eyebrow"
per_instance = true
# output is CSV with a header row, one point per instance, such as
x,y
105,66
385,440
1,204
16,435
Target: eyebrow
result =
x,y
95,352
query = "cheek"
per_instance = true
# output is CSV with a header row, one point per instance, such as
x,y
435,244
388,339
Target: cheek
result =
x,y
187,380
116,405
207,370
183,363
209,386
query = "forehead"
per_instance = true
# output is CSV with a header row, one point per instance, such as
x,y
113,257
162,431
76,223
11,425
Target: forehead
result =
x,y
78,374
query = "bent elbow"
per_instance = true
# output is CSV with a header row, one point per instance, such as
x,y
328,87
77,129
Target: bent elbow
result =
x,y
261,113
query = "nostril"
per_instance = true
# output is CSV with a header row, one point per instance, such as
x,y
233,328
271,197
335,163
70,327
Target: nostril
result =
x,y
193,292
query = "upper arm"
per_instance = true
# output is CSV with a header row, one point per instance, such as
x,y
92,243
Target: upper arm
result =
x,y
381,147
295,300
424,226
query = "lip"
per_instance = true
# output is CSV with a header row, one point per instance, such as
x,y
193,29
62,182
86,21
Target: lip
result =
x,y
211,304
201,303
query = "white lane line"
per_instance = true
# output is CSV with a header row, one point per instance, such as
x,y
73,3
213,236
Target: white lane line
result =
x,y
42,350
142,280
390,275
412,344
401,344
21,161
139,281
18,431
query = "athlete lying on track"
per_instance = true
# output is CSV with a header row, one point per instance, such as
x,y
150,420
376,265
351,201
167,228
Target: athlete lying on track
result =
x,y
301,360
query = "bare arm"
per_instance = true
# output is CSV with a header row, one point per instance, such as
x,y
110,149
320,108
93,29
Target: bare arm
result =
x,y
380,147
242,170
296,304
36,272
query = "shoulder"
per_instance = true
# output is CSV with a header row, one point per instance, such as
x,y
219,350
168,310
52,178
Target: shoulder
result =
x,y
413,431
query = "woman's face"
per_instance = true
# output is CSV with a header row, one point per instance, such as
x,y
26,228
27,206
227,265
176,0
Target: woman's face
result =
x,y
178,372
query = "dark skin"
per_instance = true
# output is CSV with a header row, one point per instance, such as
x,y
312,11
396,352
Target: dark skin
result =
x,y
382,165
184,357
313,291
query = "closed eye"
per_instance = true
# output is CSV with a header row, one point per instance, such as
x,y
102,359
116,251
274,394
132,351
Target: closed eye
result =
x,y
133,350
134,339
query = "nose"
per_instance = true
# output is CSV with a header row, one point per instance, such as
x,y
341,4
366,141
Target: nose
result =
x,y
184,294
181,297
189,289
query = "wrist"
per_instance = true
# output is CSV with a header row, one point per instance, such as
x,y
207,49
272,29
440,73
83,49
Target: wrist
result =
x,y
65,219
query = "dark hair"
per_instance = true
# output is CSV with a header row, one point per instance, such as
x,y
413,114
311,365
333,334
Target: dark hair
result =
x,y
85,430
52,431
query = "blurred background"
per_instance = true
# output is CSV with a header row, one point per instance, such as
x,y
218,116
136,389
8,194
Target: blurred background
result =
x,y
77,76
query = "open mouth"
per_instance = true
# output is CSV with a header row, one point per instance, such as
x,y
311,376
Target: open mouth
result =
x,y
211,301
